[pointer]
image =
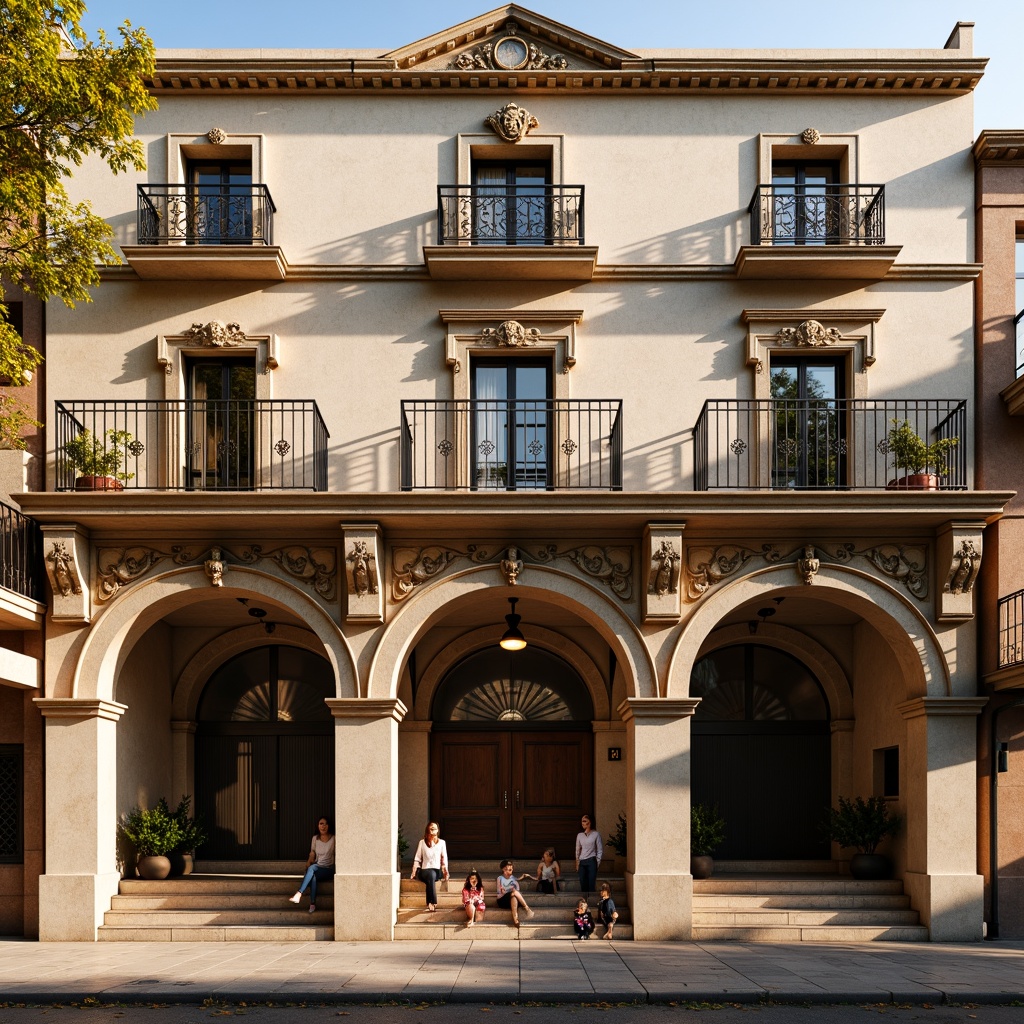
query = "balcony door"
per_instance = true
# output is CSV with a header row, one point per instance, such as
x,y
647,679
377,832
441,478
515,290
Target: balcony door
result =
x,y
221,203
806,211
808,423
220,429
511,425
511,205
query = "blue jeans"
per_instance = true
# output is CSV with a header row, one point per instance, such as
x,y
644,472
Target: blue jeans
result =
x,y
588,874
313,875
429,877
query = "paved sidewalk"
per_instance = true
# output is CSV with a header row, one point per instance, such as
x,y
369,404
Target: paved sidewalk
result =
x,y
562,972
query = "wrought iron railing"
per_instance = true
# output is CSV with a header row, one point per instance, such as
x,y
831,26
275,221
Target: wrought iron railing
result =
x,y
817,215
193,444
21,546
1011,630
821,444
510,214
1018,330
495,445
206,215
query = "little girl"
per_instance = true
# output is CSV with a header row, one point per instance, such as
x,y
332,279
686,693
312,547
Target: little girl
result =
x,y
473,898
582,921
509,896
606,912
548,873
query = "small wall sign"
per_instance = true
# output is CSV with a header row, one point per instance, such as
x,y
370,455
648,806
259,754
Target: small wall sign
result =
x,y
615,753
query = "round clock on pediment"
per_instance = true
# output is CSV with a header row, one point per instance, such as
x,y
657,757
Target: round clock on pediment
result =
x,y
511,53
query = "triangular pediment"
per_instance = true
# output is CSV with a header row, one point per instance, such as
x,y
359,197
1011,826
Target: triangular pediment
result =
x,y
510,38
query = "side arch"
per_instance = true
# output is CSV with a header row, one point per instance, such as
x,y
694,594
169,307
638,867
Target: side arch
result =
x,y
593,607
905,628
126,619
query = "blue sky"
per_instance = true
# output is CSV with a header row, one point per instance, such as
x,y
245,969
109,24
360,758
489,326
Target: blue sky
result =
x,y
387,24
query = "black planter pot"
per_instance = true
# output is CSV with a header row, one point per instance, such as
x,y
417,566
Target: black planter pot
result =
x,y
870,867
702,866
181,864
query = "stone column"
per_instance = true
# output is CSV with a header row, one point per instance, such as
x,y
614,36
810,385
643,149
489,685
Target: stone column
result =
x,y
658,875
81,817
366,885
940,795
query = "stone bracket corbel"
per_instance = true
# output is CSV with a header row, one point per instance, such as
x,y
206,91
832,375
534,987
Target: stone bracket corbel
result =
x,y
364,583
958,559
663,556
66,555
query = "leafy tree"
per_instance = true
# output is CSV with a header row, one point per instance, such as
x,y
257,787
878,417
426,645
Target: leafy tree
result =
x,y
62,98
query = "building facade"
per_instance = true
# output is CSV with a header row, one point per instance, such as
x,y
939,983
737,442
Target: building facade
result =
x,y
512,314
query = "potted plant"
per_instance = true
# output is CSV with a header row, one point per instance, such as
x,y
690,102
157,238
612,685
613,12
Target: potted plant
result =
x,y
193,835
98,460
707,833
618,841
924,463
862,824
403,844
154,834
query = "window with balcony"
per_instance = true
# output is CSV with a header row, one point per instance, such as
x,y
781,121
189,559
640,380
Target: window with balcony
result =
x,y
802,209
1019,305
221,204
511,203
220,432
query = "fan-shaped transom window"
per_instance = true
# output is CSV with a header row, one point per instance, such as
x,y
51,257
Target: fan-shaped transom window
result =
x,y
269,684
527,687
751,683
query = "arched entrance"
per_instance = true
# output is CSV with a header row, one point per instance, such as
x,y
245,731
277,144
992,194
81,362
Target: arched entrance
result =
x,y
265,754
761,752
511,760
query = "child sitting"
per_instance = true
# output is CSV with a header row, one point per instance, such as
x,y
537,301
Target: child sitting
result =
x,y
582,921
606,912
509,896
473,898
548,873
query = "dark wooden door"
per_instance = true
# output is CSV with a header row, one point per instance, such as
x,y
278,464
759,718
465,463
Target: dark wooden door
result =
x,y
499,794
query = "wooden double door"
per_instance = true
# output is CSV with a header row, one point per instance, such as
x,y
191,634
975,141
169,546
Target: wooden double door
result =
x,y
510,793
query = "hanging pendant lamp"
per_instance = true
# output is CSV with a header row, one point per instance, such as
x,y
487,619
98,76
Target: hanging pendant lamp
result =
x,y
512,639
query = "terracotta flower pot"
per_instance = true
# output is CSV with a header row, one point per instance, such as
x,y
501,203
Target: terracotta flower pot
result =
x,y
154,869
98,483
915,482
702,866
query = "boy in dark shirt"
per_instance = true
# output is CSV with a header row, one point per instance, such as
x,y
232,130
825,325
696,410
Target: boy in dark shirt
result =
x,y
606,912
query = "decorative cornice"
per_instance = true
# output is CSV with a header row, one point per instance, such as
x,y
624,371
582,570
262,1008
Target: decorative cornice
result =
x,y
657,707
367,707
79,707
958,707
1000,147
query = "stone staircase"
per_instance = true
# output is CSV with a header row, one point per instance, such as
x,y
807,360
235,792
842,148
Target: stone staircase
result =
x,y
800,902
212,907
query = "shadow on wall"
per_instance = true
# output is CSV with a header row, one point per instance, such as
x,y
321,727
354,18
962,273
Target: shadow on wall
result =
x,y
400,242
708,242
367,463
661,464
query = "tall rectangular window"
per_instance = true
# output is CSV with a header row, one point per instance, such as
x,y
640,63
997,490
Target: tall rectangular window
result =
x,y
1019,305
11,804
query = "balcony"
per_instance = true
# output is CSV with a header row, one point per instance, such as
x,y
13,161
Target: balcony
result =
x,y
203,232
191,445
1011,630
495,232
819,231
815,444
496,445
1013,394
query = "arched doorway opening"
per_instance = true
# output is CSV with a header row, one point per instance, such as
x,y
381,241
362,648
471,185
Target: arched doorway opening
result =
x,y
265,754
761,752
512,752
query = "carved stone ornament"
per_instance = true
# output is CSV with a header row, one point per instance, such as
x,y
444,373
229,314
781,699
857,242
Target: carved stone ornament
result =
x,y
511,566
512,122
63,573
664,570
364,570
216,334
510,52
810,334
963,570
412,567
810,136
511,334
807,565
215,568
217,136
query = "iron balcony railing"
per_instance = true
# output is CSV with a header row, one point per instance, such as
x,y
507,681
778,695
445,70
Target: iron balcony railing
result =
x,y
510,214
21,546
206,215
201,444
817,215
1018,328
1011,630
821,444
497,445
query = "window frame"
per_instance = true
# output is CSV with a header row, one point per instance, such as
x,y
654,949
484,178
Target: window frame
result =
x,y
15,752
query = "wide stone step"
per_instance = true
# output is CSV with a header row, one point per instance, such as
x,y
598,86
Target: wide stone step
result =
x,y
450,930
528,887
760,918
219,917
541,915
795,933
219,901
722,901
807,886
212,933
195,883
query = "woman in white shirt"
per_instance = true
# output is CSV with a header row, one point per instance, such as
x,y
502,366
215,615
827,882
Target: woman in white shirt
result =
x,y
589,851
431,862
320,865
